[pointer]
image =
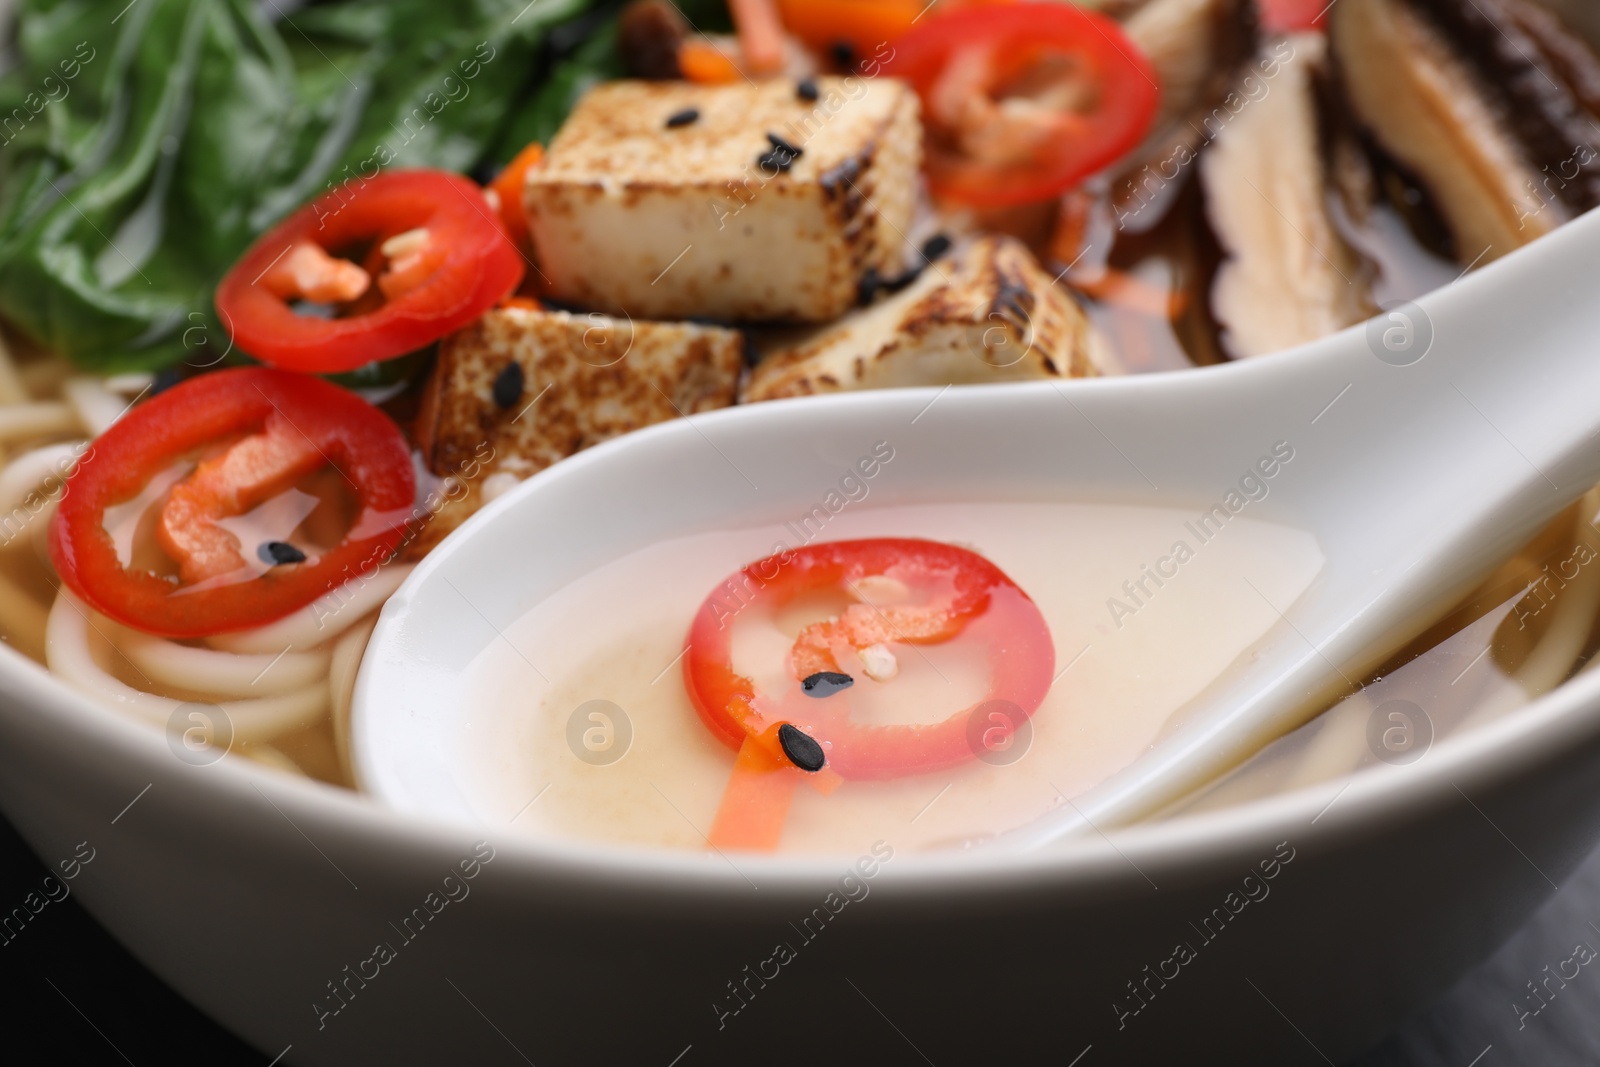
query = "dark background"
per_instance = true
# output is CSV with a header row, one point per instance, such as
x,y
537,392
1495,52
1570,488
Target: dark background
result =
x,y
70,989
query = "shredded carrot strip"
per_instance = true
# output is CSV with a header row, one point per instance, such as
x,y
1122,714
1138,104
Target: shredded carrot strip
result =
x,y
508,186
252,470
760,34
1128,291
1072,227
705,64
867,25
756,803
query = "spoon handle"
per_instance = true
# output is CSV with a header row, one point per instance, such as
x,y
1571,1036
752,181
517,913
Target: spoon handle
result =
x,y
1456,428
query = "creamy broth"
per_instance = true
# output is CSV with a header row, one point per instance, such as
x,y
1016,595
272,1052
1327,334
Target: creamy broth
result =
x,y
1129,652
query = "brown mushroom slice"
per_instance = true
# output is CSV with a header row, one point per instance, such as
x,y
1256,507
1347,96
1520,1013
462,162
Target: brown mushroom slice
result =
x,y
1196,48
649,33
1583,16
1546,79
1429,110
1287,276
1199,48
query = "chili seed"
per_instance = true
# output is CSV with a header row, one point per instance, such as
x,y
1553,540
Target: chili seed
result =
x,y
935,246
780,145
277,553
826,683
801,748
807,90
508,385
687,117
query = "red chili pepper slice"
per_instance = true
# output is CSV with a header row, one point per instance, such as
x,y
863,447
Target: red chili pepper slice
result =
x,y
281,427
960,596
455,262
1023,101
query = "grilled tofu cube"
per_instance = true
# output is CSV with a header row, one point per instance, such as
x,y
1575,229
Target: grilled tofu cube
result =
x,y
520,389
714,217
985,313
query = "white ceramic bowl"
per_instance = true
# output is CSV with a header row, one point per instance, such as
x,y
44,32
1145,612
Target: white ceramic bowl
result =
x,y
252,894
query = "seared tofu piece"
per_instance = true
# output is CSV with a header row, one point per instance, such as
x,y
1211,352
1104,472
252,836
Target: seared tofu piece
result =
x,y
712,217
985,313
520,389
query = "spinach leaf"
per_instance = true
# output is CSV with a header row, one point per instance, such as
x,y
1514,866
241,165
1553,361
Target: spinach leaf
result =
x,y
594,61
143,146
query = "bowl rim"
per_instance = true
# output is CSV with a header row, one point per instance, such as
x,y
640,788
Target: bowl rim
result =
x,y
1342,808
1509,747
1345,807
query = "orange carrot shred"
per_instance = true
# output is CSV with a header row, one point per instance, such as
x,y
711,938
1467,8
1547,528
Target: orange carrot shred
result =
x,y
1126,290
704,63
508,185
756,803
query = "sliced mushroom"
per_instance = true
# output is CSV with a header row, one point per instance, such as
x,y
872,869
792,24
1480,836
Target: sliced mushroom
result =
x,y
1542,75
1199,49
1288,276
1196,47
1582,15
1484,101
648,35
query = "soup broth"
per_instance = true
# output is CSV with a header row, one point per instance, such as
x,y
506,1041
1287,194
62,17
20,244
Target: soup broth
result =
x,y
604,655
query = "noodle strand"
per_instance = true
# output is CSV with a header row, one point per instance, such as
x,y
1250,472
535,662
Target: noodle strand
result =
x,y
323,619
225,674
69,654
342,685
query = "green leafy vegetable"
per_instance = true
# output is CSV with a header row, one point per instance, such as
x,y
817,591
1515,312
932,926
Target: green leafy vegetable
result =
x,y
143,146
593,61
587,55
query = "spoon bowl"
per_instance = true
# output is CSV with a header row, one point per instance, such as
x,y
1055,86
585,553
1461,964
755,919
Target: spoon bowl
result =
x,y
1427,446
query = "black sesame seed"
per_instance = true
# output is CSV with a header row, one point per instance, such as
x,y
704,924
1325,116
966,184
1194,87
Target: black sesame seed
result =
x,y
776,161
687,117
807,90
802,749
780,145
508,385
867,288
843,54
276,553
825,684
935,246
894,285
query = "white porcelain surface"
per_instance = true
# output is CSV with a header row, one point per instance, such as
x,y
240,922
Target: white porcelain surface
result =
x,y
1417,467
250,892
